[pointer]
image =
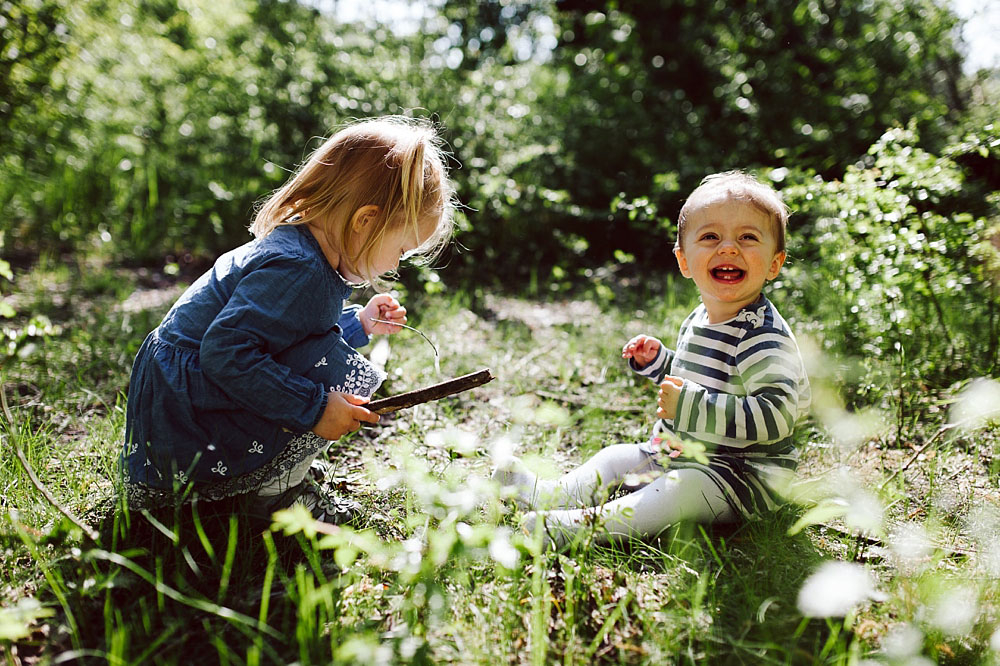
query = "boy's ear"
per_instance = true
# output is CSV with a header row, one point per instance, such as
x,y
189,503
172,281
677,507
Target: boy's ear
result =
x,y
682,261
363,217
776,263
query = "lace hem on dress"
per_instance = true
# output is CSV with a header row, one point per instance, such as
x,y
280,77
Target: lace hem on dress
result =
x,y
141,496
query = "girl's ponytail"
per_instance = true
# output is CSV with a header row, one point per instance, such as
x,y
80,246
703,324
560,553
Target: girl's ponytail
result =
x,y
412,179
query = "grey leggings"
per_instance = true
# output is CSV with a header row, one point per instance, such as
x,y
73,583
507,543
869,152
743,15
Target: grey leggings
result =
x,y
671,496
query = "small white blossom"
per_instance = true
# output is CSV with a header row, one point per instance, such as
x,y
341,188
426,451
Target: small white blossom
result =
x,y
501,549
835,589
978,403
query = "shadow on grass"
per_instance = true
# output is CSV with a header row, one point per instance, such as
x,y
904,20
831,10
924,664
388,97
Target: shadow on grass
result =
x,y
199,583
726,594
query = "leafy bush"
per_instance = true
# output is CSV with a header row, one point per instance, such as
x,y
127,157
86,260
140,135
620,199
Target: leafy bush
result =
x,y
892,265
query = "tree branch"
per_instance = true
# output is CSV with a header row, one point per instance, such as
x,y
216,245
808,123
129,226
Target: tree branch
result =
x,y
429,393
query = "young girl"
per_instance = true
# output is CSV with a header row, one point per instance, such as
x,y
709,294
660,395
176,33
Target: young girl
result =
x,y
253,371
735,384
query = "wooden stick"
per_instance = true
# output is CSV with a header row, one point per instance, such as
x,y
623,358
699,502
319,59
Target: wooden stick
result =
x,y
428,393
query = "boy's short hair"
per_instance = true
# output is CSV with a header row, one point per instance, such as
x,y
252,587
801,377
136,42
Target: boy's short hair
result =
x,y
737,186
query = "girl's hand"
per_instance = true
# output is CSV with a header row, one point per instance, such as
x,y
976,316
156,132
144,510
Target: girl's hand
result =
x,y
666,399
642,349
386,308
343,414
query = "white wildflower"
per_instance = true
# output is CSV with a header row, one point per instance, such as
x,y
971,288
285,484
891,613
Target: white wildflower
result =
x,y
953,611
903,642
835,589
977,404
501,549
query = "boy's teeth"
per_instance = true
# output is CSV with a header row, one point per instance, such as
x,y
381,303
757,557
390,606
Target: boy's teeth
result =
x,y
727,273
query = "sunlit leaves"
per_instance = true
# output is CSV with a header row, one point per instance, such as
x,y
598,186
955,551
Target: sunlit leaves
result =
x,y
16,621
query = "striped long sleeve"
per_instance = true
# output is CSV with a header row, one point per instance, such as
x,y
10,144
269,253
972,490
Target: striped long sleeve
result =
x,y
745,385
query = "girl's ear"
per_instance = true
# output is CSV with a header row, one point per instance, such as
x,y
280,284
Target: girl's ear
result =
x,y
363,217
682,262
776,263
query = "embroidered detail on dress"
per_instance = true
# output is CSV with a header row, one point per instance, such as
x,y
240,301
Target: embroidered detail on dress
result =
x,y
220,468
141,496
756,319
256,447
362,378
320,362
181,478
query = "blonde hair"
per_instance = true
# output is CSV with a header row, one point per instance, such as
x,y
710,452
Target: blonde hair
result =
x,y
392,162
737,186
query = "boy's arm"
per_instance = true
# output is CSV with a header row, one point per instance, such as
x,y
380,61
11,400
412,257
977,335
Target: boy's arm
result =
x,y
770,369
657,368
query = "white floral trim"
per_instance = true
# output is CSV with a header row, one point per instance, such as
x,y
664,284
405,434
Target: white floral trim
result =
x,y
755,319
142,496
362,378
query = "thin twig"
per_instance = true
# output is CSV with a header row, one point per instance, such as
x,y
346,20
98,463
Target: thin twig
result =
x,y
415,330
89,531
942,430
872,541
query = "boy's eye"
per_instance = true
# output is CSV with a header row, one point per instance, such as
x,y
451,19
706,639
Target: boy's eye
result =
x,y
709,236
751,237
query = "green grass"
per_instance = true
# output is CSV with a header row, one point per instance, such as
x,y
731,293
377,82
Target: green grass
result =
x,y
439,573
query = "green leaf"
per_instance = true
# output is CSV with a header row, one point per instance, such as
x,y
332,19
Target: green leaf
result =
x,y
293,520
822,512
15,623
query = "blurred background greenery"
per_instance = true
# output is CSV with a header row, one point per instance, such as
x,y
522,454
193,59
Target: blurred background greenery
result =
x,y
145,130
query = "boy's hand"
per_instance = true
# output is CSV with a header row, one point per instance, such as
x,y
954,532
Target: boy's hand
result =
x,y
343,413
666,399
642,349
673,446
386,308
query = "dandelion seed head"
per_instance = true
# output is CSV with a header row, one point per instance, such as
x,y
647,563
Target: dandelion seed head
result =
x,y
989,556
502,450
388,482
464,530
995,641
835,589
903,642
953,611
851,429
977,404
910,545
453,439
502,551
864,511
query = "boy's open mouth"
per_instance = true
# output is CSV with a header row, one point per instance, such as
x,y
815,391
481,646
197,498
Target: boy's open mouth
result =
x,y
728,273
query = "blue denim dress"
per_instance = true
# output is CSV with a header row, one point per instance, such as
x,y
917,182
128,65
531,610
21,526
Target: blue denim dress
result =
x,y
224,393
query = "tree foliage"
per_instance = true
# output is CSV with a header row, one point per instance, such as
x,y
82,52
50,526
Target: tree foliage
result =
x,y
149,128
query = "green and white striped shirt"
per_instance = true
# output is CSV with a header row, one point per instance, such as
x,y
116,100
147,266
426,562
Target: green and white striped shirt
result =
x,y
745,388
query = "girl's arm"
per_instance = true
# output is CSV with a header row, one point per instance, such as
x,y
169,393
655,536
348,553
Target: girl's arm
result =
x,y
270,309
770,368
352,326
